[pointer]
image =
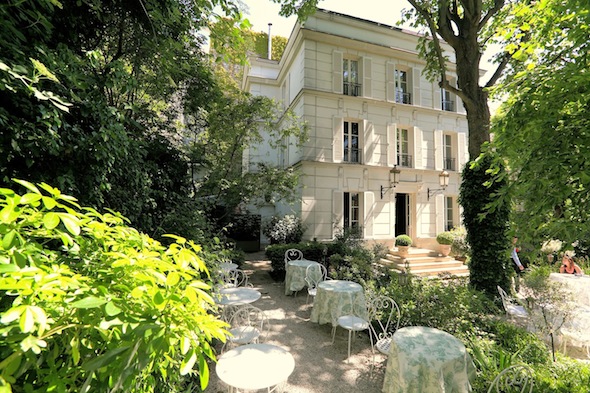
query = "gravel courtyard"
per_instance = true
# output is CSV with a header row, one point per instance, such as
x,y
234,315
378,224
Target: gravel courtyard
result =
x,y
320,366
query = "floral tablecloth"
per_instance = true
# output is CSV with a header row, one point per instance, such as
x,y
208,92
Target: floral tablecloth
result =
x,y
335,298
427,360
295,275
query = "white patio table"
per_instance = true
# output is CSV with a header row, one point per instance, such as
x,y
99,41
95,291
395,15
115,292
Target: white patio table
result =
x,y
579,285
295,275
334,298
227,266
427,360
237,295
255,366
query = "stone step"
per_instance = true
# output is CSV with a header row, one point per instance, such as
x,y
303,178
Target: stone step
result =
x,y
425,263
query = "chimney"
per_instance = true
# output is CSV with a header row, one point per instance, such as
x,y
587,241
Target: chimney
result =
x,y
269,42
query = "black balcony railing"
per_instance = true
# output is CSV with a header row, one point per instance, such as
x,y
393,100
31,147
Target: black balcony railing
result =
x,y
403,98
404,160
352,89
448,106
449,164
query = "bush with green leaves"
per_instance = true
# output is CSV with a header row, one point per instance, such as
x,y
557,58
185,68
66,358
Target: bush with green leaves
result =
x,y
90,304
445,238
288,229
403,240
460,247
313,251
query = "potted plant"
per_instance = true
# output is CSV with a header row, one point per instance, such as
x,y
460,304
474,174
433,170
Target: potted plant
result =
x,y
445,240
403,243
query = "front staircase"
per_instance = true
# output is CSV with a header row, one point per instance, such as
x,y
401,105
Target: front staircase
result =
x,y
425,263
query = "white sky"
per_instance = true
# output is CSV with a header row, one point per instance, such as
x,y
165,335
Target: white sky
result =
x,y
263,12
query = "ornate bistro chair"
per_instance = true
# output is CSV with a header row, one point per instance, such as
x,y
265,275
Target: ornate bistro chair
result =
x,y
248,325
314,274
235,278
513,310
517,379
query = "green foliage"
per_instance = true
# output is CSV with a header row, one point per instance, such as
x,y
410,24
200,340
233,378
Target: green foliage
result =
x,y
489,262
446,238
549,180
288,229
90,304
244,227
313,251
403,240
460,247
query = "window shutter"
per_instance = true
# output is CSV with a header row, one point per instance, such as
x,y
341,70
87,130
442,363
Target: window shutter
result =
x,y
246,160
367,72
337,211
416,76
390,80
337,148
438,150
418,148
337,72
436,96
439,211
369,203
391,144
368,142
462,151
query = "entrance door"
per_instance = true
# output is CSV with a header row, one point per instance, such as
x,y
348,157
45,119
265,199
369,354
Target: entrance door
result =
x,y
402,214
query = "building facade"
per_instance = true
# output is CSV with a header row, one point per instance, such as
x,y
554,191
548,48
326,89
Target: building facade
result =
x,y
373,118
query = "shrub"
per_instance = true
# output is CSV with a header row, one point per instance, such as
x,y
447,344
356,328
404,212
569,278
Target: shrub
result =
x,y
445,238
276,254
460,247
91,304
288,229
403,240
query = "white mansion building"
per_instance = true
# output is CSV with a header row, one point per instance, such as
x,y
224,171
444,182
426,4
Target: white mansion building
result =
x,y
380,133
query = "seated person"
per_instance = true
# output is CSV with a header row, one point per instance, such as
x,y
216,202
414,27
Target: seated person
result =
x,y
568,266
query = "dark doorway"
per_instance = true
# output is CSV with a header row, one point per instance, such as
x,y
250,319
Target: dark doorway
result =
x,y
402,210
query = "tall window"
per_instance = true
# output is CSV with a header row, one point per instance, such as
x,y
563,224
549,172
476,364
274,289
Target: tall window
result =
x,y
352,210
403,148
402,94
449,160
449,214
351,142
447,101
350,76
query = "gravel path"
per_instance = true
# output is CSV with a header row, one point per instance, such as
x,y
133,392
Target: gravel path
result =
x,y
320,366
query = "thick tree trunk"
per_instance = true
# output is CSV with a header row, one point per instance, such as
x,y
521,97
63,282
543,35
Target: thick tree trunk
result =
x,y
475,98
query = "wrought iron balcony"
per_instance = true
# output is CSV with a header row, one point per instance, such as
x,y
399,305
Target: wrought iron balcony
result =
x,y
404,160
448,106
449,164
352,89
403,98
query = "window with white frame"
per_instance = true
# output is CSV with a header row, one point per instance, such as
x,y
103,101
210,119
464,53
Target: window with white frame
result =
x,y
351,142
350,77
449,160
402,88
352,210
448,99
449,214
404,158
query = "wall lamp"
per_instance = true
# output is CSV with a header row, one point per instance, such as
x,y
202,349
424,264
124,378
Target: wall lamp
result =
x,y
443,181
393,180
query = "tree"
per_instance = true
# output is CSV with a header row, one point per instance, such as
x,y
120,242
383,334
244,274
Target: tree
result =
x,y
468,27
546,111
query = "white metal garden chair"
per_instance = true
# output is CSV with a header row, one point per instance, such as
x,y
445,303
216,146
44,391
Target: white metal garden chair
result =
x,y
314,274
248,325
235,278
513,310
517,379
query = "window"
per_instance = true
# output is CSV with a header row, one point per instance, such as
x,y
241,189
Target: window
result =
x,y
352,210
448,159
351,142
404,158
449,214
447,102
350,77
402,94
